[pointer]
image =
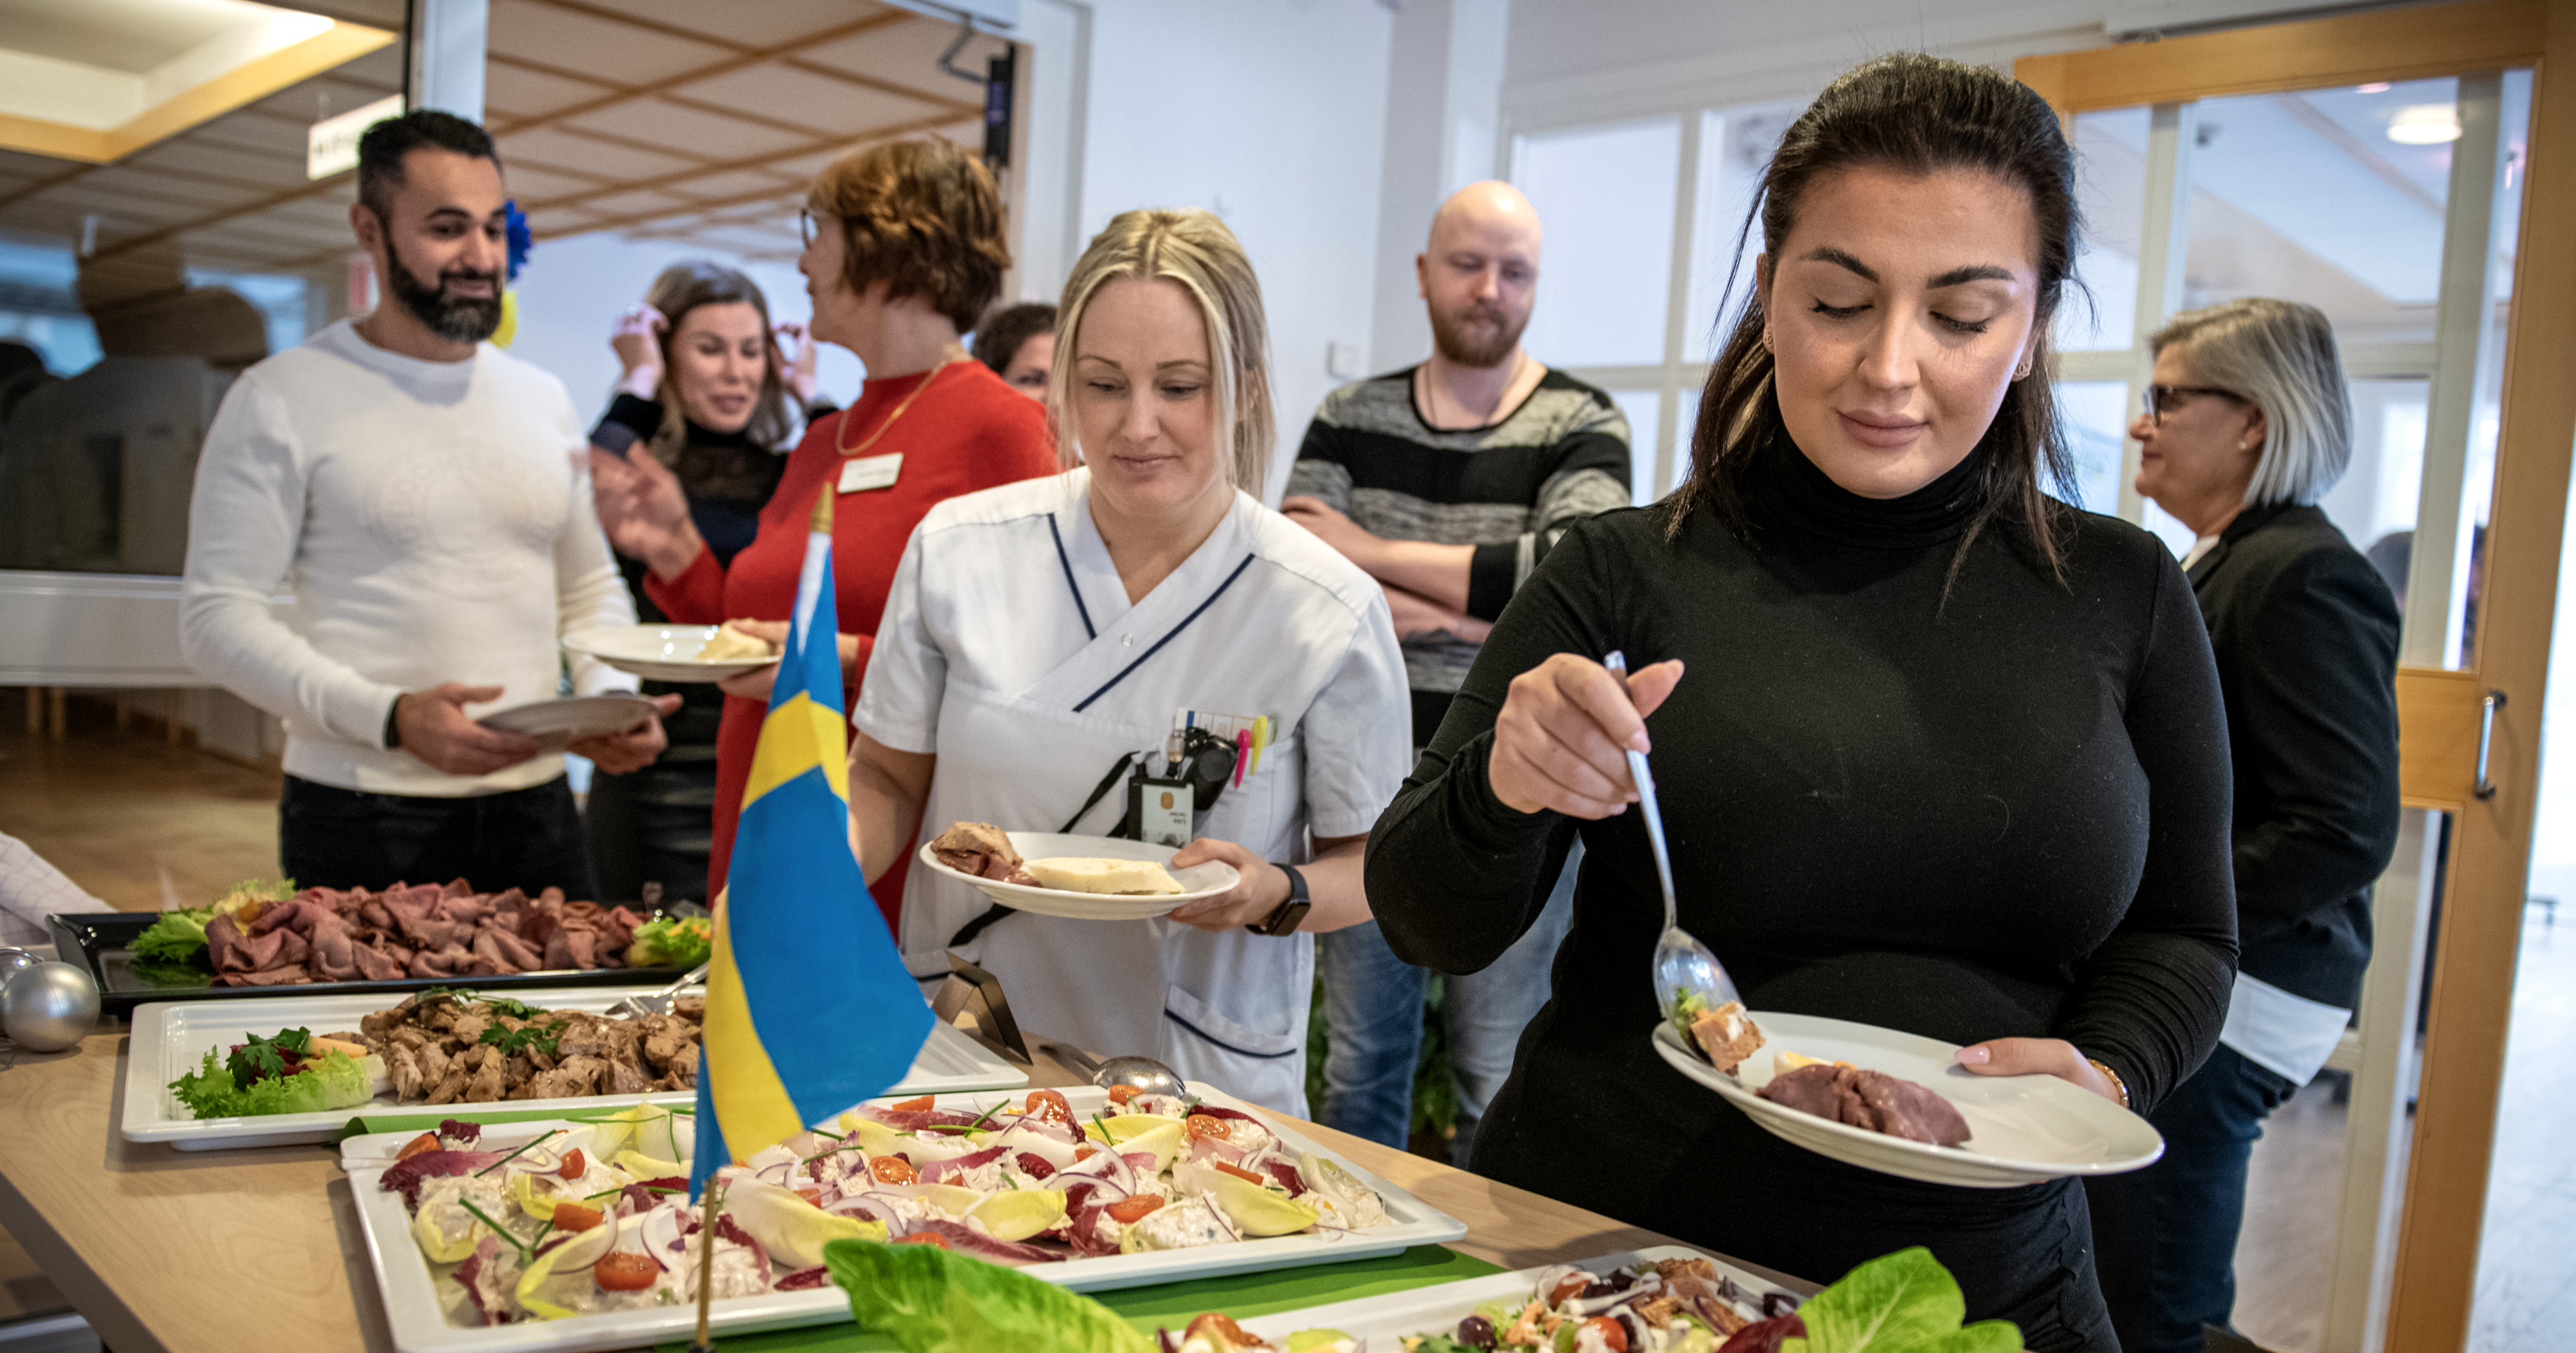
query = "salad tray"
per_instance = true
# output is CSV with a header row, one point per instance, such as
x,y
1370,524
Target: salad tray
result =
x,y
416,1315
1379,1322
171,1040
99,940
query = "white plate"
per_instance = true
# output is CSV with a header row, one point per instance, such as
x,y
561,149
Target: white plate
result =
x,y
2022,1129
659,652
1437,1309
413,1311
1199,880
556,724
172,1040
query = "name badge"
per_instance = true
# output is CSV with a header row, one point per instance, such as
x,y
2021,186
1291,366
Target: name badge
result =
x,y
871,472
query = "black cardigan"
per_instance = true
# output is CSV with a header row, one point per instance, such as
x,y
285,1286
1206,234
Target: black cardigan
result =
x,y
2305,633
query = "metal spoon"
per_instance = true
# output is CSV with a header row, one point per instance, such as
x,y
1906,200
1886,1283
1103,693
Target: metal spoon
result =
x,y
1147,1075
1682,964
659,1003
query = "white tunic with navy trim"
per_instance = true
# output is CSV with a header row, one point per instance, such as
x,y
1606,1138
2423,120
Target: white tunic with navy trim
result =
x,y
1009,649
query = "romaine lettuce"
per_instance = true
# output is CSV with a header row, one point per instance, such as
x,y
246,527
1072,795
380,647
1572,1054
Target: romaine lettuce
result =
x,y
933,1301
177,937
665,942
334,1081
1899,1303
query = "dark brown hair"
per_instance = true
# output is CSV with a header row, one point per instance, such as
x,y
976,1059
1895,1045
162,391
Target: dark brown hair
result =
x,y
684,287
922,216
1920,114
999,335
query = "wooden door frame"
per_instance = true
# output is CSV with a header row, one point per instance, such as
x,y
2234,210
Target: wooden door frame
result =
x,y
2481,925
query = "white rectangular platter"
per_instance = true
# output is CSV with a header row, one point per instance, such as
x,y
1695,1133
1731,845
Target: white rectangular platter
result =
x,y
1437,1309
172,1040
414,1312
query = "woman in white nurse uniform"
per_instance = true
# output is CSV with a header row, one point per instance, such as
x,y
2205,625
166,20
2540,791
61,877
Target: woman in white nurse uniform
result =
x,y
1038,633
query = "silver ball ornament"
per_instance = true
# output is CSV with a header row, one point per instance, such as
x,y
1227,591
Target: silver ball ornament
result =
x,y
15,961
49,1007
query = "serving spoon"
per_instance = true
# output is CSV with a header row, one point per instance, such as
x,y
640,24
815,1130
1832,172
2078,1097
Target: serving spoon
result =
x,y
659,1002
1147,1075
1683,965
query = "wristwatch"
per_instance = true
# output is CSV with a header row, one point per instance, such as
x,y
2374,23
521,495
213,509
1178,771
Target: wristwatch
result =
x,y
1291,913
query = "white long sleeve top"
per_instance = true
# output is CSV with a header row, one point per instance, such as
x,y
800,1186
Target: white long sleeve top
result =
x,y
430,521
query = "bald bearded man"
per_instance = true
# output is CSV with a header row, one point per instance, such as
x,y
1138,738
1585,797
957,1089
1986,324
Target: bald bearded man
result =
x,y
1448,481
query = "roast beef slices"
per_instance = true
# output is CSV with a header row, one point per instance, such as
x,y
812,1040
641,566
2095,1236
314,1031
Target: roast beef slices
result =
x,y
980,849
1869,1099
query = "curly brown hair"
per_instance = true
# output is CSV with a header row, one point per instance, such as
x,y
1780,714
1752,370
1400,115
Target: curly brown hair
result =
x,y
924,217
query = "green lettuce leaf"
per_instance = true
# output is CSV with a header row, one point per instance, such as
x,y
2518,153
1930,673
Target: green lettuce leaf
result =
x,y
177,937
1899,1303
933,1301
668,943
337,1081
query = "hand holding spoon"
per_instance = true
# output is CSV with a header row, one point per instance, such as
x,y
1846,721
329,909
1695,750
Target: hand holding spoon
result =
x,y
1683,965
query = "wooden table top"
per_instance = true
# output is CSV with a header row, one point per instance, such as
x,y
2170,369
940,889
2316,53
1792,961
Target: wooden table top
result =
x,y
261,1249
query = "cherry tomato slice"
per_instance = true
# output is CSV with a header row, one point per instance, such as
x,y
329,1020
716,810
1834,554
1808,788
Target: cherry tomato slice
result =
x,y
1239,1172
1120,1094
575,1216
814,1196
623,1272
425,1142
1083,1153
1134,1209
923,1238
921,1105
1049,1106
892,1170
574,1166
1614,1336
1568,1289
1207,1125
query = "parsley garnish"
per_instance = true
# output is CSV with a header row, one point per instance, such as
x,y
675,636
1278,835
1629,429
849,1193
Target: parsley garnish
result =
x,y
263,1057
543,1037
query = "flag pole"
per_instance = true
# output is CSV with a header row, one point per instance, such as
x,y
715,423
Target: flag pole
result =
x,y
706,1275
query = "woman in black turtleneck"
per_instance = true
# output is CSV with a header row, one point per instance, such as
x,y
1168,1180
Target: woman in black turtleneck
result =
x,y
1935,752
706,390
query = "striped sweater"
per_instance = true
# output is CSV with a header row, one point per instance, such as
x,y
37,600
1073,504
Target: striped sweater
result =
x,y
1510,488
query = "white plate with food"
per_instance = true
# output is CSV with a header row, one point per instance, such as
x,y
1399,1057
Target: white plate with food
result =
x,y
1085,878
1682,1288
557,724
171,1040
2019,1129
420,1245
673,652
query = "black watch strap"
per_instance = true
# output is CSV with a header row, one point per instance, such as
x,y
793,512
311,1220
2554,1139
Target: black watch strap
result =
x,y
393,725
1291,913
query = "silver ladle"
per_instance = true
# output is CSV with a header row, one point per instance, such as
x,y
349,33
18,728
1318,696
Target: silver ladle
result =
x,y
1147,1075
1683,965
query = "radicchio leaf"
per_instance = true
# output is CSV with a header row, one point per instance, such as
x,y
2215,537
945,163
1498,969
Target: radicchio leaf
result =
x,y
405,1176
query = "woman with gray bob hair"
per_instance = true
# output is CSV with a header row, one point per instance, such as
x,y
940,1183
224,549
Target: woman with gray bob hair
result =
x,y
2246,426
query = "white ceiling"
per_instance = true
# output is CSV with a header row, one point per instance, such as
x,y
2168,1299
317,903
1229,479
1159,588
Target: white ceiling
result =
x,y
134,36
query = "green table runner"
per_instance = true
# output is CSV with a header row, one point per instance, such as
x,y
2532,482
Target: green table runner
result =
x,y
1172,1305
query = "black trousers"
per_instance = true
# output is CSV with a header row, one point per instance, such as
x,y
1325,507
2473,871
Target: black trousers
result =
x,y
528,839
2165,1236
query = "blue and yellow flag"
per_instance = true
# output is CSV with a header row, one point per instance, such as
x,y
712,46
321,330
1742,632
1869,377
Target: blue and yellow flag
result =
x,y
809,1009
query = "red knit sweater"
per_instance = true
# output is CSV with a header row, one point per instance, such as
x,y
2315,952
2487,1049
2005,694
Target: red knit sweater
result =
x,y
968,431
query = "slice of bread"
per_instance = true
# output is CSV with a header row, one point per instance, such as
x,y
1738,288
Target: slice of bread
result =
x,y
1075,875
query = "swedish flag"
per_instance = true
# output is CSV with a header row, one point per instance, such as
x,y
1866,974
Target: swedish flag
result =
x,y
809,1009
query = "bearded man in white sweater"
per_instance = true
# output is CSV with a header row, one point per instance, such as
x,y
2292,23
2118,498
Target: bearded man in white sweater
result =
x,y
418,494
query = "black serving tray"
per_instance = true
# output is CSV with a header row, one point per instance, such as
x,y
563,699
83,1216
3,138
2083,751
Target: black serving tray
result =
x,y
98,941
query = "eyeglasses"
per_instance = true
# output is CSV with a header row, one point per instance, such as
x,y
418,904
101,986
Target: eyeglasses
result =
x,y
2159,399
805,226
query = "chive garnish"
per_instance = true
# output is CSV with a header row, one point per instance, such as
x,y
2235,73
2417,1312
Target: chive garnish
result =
x,y
497,1228
549,1132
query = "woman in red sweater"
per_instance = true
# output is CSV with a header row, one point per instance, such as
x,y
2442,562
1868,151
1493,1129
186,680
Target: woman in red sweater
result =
x,y
903,251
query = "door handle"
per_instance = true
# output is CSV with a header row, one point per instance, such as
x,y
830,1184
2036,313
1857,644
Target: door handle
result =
x,y
2486,788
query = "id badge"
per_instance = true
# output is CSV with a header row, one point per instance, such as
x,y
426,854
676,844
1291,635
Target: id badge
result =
x,y
1161,810
871,472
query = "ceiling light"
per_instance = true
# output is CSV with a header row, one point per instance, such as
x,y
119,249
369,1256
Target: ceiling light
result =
x,y
2374,87
2425,124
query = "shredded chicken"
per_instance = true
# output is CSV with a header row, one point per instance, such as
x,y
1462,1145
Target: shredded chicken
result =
x,y
441,1048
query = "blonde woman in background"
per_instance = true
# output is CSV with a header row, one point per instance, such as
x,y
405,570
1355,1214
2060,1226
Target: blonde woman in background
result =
x,y
1041,634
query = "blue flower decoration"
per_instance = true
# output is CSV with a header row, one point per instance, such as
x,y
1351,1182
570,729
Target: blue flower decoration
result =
x,y
520,240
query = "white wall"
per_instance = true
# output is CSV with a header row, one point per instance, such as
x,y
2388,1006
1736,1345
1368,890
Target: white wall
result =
x,y
1271,113
1445,78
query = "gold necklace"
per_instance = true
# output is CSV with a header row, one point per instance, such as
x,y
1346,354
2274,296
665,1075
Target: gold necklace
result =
x,y
945,361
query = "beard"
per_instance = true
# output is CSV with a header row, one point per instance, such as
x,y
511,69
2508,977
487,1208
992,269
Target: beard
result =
x,y
1479,335
458,319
